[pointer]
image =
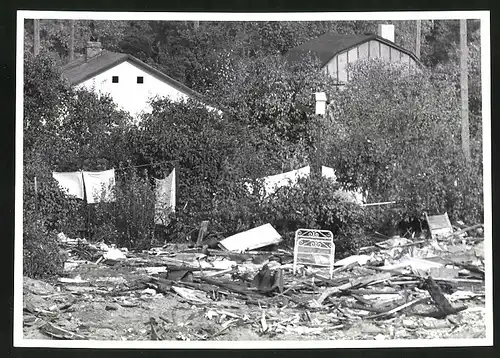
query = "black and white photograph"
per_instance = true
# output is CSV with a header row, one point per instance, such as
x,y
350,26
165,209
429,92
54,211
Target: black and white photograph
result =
x,y
211,180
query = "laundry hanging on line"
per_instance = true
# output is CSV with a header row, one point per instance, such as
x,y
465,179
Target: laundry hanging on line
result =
x,y
274,182
71,183
165,198
96,186
99,186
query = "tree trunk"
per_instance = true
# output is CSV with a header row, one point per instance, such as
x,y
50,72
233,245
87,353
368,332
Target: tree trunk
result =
x,y
419,36
36,36
72,41
464,90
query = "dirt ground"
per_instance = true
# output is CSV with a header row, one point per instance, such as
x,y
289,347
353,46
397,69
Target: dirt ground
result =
x,y
101,308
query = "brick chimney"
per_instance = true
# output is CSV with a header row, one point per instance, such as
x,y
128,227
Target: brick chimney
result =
x,y
386,31
92,50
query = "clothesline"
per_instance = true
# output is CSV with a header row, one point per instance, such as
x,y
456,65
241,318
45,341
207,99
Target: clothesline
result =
x,y
147,165
81,184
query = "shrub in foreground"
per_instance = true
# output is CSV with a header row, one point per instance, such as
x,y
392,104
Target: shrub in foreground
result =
x,y
42,254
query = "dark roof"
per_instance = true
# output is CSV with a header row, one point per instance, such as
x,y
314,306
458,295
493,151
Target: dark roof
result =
x,y
328,45
79,71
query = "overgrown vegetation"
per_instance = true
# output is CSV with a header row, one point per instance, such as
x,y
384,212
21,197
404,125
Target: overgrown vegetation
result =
x,y
391,132
401,141
42,256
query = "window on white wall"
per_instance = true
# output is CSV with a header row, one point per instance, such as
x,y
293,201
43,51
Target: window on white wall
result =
x,y
140,79
114,79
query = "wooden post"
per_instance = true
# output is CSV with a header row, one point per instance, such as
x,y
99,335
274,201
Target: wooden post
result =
x,y
176,186
36,36
464,90
87,210
72,41
320,112
202,232
419,36
317,164
36,195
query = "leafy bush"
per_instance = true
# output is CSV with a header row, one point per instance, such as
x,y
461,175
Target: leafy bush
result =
x,y
49,204
315,203
129,220
212,155
400,140
42,255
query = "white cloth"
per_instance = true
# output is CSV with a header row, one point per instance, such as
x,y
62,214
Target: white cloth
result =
x,y
71,183
165,198
274,182
99,186
328,172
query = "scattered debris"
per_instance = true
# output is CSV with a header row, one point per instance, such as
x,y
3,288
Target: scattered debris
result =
x,y
419,286
114,254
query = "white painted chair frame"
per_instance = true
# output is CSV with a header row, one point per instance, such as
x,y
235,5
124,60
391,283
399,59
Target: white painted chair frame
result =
x,y
318,239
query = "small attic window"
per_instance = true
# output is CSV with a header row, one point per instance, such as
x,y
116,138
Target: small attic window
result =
x,y
140,79
114,79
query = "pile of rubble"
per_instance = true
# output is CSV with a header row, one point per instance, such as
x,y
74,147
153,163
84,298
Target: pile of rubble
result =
x,y
420,282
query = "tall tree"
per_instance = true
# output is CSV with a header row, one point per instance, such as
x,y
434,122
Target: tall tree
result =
x,y
464,90
36,36
418,38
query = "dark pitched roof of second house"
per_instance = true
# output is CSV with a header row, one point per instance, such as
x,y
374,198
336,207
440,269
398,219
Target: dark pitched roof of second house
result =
x,y
80,70
328,45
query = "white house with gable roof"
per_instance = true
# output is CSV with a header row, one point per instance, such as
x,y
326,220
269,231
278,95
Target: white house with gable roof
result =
x,y
129,81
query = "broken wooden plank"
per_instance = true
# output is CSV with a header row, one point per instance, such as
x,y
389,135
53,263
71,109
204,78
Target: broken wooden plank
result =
x,y
230,287
460,232
439,225
163,285
458,280
443,305
374,292
202,232
363,281
191,268
397,309
255,238
394,272
345,267
357,306
222,273
190,295
58,332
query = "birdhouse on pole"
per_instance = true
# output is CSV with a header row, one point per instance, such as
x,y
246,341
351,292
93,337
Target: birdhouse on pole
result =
x,y
320,102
